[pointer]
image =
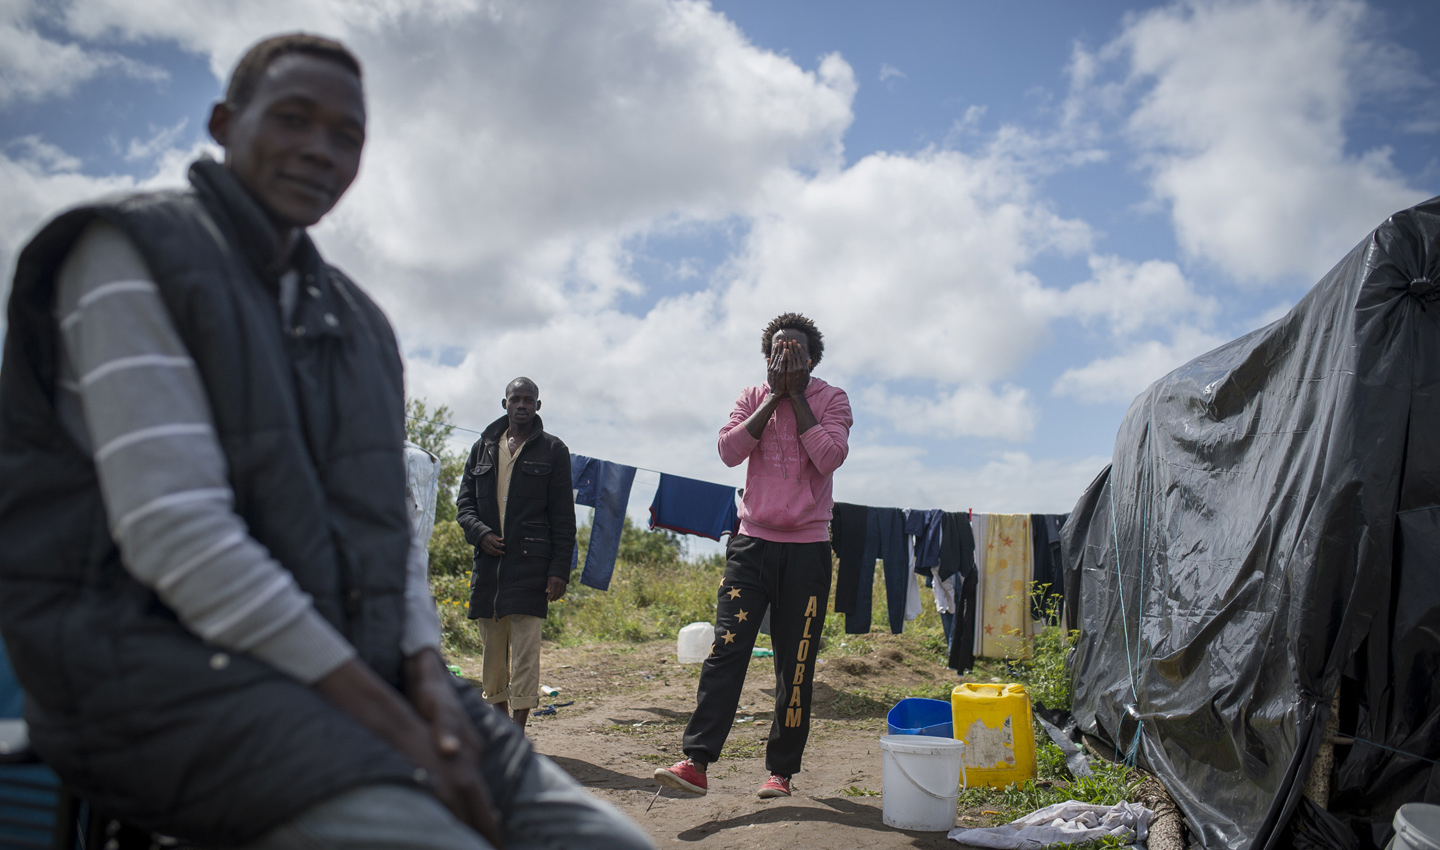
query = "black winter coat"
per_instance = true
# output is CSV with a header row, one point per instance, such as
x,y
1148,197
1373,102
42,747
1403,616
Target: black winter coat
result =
x,y
539,523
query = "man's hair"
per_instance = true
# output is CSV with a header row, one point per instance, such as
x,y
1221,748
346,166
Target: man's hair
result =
x,y
796,322
523,380
246,76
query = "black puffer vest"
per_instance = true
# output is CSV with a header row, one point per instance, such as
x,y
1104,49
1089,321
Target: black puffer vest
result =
x,y
135,712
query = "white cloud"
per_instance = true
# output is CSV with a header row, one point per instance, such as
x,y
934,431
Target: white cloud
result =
x,y
1133,295
33,67
971,410
161,141
649,391
1122,377
912,266
1009,482
918,263
1241,123
38,179
890,72
43,156
515,149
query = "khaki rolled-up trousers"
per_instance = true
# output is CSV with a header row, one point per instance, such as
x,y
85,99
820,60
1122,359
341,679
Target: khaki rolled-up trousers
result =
x,y
510,662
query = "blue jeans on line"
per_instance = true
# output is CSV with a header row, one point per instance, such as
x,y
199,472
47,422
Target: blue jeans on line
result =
x,y
604,486
884,539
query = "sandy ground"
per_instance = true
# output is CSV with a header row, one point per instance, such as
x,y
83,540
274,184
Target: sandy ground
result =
x,y
631,704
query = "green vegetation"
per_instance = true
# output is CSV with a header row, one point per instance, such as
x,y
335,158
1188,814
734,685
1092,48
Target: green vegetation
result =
x,y
1107,785
1046,676
431,430
459,636
653,593
857,791
450,554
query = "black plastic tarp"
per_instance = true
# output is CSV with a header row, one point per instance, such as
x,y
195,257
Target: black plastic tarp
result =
x,y
1267,537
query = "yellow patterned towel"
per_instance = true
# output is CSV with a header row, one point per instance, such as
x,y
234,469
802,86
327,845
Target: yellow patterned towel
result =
x,y
1005,610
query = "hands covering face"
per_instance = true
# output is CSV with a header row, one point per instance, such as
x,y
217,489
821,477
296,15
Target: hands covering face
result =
x,y
788,370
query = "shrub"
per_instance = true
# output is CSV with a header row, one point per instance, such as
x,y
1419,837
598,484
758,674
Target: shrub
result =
x,y
1046,676
459,636
450,555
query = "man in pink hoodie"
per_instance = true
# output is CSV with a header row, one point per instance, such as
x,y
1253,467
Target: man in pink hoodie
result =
x,y
794,431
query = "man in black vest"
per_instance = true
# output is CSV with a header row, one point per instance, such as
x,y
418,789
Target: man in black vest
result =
x,y
209,587
517,508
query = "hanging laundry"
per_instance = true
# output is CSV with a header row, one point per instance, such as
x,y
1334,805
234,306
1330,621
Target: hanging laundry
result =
x,y
924,526
913,606
604,486
944,592
1005,604
957,561
1049,570
694,507
847,539
977,528
884,539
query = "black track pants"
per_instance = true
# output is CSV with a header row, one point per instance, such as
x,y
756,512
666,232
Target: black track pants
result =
x,y
794,580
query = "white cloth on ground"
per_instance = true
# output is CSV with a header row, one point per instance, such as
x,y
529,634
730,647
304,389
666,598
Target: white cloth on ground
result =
x,y
1070,822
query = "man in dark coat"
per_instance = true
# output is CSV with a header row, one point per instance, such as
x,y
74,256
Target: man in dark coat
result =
x,y
209,587
516,488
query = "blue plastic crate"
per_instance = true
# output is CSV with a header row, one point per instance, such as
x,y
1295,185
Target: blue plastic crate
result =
x,y
917,716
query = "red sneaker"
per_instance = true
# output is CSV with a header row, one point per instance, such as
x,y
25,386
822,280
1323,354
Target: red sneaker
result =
x,y
683,776
775,786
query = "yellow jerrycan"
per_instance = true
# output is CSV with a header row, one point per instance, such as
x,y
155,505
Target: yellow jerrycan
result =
x,y
994,722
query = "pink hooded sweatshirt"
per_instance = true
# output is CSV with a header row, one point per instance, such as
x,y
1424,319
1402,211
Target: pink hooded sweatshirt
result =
x,y
788,482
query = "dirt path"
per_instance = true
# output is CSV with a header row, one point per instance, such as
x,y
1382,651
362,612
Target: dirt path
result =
x,y
631,704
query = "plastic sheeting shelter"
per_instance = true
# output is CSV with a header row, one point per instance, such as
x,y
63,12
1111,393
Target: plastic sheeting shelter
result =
x,y
1267,539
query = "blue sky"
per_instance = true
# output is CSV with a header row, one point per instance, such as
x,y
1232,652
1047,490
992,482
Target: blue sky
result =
x,y
1007,218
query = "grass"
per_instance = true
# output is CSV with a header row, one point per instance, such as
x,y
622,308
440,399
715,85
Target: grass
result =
x,y
1107,785
857,791
652,594
646,601
459,636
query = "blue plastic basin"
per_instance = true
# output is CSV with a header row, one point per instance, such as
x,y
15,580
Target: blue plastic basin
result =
x,y
917,716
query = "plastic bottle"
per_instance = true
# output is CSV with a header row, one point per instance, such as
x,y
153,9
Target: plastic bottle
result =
x,y
693,645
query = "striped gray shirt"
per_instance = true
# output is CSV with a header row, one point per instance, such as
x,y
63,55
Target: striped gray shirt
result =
x,y
131,395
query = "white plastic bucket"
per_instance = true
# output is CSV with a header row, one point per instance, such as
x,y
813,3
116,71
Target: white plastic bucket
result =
x,y
1417,827
693,645
921,781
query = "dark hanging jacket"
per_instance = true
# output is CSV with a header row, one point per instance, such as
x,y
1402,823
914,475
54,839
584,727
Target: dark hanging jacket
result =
x,y
122,701
539,522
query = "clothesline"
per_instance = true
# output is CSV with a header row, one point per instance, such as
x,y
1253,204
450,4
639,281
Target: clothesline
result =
x,y
968,511
473,431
